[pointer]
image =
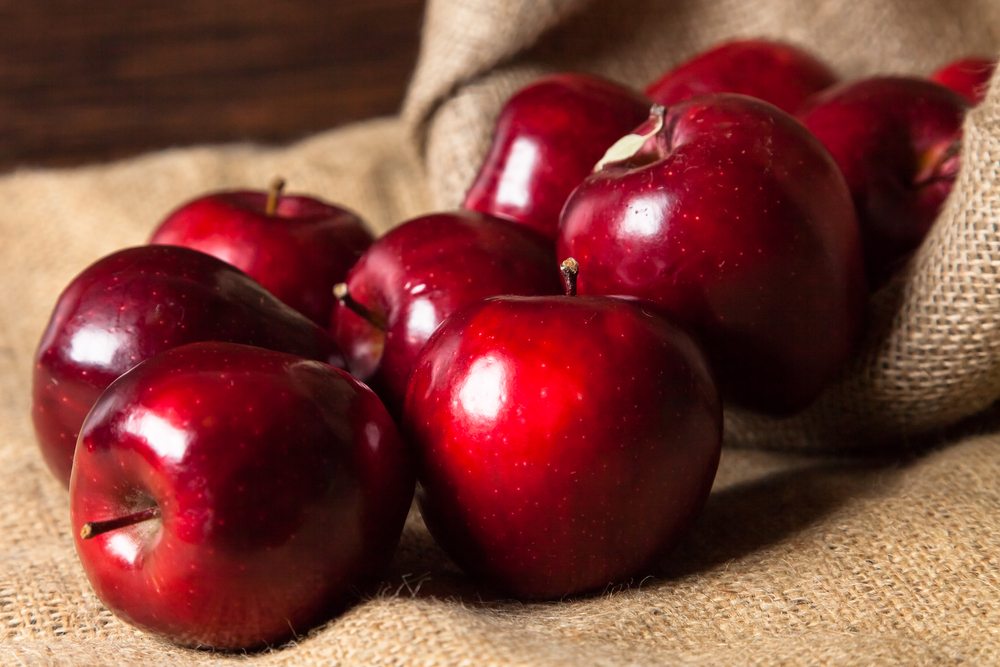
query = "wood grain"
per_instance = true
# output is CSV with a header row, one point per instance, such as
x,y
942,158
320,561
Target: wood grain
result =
x,y
86,81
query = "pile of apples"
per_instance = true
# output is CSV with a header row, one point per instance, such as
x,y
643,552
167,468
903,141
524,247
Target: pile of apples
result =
x,y
242,409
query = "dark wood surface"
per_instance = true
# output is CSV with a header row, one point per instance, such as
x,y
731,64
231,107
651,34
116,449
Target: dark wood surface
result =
x,y
89,81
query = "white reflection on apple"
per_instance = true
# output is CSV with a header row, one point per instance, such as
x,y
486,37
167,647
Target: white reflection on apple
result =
x,y
94,347
513,188
124,545
422,320
484,390
644,217
164,438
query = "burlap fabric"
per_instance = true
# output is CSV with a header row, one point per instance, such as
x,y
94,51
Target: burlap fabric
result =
x,y
798,559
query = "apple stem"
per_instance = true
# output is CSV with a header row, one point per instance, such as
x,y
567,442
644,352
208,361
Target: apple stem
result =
x,y
343,295
273,195
570,269
95,528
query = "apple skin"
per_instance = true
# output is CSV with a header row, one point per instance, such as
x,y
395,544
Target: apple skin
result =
x,y
136,303
896,140
548,137
778,73
424,270
298,254
282,485
563,443
734,218
969,77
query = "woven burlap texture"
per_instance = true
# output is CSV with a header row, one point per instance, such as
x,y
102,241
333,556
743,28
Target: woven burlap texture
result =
x,y
930,358
797,560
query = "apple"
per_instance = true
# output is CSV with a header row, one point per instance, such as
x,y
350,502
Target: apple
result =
x,y
779,73
897,140
969,77
136,303
232,497
563,443
418,274
297,247
548,137
728,213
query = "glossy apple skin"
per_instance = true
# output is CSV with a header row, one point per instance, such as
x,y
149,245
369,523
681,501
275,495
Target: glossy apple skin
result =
x,y
563,443
424,270
778,73
298,254
547,139
896,141
969,77
735,219
282,483
136,303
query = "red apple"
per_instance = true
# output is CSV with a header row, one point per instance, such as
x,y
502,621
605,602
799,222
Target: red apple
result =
x,y
728,213
896,139
547,139
136,303
297,247
231,497
563,443
778,73
969,77
418,274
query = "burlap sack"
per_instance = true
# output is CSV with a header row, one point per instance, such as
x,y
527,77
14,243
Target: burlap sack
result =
x,y
930,357
797,560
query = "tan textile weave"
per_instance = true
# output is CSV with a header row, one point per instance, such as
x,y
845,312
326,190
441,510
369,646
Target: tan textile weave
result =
x,y
798,559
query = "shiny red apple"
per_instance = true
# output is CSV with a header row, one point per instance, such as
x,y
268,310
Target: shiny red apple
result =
x,y
135,303
731,215
418,274
969,77
548,137
896,139
779,73
563,443
297,247
232,497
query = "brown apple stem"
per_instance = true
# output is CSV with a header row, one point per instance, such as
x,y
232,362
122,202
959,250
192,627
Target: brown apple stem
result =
x,y
570,269
95,528
343,295
273,195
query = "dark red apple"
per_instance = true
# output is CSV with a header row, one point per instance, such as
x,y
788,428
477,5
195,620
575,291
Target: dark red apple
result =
x,y
547,139
728,213
297,247
418,274
779,73
563,443
232,497
969,77
136,303
896,139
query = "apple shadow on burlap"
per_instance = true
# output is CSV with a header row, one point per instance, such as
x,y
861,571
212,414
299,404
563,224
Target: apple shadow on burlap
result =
x,y
759,500
738,520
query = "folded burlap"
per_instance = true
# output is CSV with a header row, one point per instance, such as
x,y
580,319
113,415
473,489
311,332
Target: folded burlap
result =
x,y
798,559
930,358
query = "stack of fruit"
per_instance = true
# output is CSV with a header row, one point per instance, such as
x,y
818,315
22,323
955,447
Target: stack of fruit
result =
x,y
234,480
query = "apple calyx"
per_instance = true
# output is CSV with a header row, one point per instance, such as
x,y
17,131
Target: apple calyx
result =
x,y
343,294
940,163
274,195
630,145
570,269
95,528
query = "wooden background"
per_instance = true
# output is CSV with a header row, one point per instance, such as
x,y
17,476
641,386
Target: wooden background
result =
x,y
84,81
